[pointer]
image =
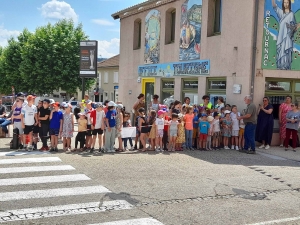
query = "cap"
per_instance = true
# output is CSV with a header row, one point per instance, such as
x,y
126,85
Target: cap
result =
x,y
51,101
56,104
20,94
120,106
46,100
227,111
111,103
81,114
195,110
210,118
96,105
204,115
30,97
66,105
160,112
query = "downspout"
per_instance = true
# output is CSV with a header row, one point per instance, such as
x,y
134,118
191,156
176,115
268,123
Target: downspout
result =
x,y
254,48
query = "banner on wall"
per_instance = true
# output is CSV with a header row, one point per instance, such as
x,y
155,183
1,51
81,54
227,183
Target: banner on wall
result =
x,y
191,68
190,30
281,35
152,37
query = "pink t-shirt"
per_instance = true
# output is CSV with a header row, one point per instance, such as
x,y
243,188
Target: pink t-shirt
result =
x,y
189,121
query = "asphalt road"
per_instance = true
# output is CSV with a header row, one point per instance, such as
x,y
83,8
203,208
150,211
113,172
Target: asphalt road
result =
x,y
192,187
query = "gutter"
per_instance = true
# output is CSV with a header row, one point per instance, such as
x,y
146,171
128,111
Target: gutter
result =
x,y
254,48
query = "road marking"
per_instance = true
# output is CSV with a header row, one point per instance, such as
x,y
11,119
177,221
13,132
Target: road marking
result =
x,y
35,169
43,179
50,193
30,160
272,156
62,210
277,221
16,153
142,221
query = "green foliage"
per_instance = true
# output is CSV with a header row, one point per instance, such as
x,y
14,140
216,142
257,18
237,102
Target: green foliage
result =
x,y
44,61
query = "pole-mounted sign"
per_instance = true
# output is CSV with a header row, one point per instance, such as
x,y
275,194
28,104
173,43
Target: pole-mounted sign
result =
x,y
88,59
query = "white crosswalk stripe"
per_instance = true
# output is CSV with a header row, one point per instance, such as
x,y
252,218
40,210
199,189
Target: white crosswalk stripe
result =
x,y
142,221
35,169
29,160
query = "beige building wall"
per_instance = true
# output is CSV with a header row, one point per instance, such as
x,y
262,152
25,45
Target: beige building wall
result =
x,y
109,92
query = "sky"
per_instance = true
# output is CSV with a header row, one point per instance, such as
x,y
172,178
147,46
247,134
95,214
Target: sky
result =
x,y
95,16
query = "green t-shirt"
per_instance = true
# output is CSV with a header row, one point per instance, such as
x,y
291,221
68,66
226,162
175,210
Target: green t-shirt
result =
x,y
251,109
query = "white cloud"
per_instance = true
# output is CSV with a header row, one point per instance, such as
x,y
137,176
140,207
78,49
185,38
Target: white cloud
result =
x,y
56,10
103,22
108,49
6,34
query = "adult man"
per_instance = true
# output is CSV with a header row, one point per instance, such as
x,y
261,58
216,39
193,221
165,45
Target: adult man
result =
x,y
97,119
44,114
83,103
250,119
2,112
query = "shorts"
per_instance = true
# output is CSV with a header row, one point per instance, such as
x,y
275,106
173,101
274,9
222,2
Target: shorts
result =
x,y
28,129
235,133
36,129
137,131
89,130
203,137
54,131
160,133
242,131
217,134
19,126
195,132
97,131
173,133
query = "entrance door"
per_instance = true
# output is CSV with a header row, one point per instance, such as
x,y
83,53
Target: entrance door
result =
x,y
148,90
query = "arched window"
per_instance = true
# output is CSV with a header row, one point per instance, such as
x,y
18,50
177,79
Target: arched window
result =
x,y
170,26
137,34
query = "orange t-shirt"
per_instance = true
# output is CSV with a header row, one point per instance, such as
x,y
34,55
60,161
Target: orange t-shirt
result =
x,y
188,118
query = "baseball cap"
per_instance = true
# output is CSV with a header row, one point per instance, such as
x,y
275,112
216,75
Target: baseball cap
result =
x,y
20,94
46,100
56,104
111,103
30,97
120,106
97,105
51,101
204,115
160,112
195,110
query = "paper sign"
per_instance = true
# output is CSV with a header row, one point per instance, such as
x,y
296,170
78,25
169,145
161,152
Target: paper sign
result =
x,y
128,132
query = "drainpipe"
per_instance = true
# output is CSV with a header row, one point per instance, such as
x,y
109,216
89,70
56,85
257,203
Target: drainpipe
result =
x,y
253,72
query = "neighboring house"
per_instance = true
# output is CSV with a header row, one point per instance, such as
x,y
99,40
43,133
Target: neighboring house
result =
x,y
107,84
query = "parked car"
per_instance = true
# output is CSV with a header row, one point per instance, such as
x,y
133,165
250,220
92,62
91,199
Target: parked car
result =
x,y
74,105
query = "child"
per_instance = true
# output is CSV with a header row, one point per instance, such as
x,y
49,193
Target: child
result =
x,y
203,131
209,137
159,124
17,120
227,128
56,118
152,133
216,130
119,126
143,127
67,128
181,133
89,138
97,119
110,127
82,128
127,123
235,128
173,132
188,119
43,116
241,133
166,129
29,120
195,128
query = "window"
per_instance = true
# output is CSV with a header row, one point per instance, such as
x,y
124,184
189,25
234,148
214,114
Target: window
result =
x,y
137,34
112,96
214,22
116,77
106,77
170,26
105,95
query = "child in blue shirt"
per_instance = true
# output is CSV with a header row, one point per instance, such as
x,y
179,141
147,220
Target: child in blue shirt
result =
x,y
203,130
56,117
110,127
195,129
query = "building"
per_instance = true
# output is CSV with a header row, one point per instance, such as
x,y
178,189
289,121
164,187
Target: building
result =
x,y
108,80
223,48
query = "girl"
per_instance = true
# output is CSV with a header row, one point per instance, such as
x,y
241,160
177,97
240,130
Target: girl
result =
x,y
188,119
67,128
181,135
235,128
143,128
210,133
82,128
127,123
152,134
216,130
173,132
227,128
119,125
159,123
241,133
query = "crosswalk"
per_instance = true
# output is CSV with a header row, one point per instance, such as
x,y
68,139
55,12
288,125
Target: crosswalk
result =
x,y
51,181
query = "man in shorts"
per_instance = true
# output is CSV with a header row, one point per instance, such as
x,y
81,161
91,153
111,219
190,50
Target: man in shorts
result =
x,y
97,119
29,120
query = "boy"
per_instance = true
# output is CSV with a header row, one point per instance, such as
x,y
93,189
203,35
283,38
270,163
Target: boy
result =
x,y
56,117
195,129
97,119
29,120
44,115
204,126
89,138
16,118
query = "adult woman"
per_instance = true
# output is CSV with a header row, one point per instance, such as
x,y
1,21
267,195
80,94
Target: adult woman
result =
x,y
283,110
140,103
265,122
292,125
206,104
154,105
186,101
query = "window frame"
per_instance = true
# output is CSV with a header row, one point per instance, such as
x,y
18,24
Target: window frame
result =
x,y
137,34
116,81
106,79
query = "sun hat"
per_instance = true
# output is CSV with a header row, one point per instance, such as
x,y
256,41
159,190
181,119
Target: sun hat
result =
x,y
160,112
111,103
120,106
210,118
51,101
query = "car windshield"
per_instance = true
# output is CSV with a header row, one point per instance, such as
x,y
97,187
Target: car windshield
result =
x,y
73,103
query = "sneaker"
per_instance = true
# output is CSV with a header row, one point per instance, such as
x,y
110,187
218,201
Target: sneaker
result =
x,y
113,150
52,149
286,149
157,149
237,148
47,148
294,150
251,152
42,149
7,135
30,148
232,147
20,146
68,151
24,148
56,149
92,150
226,147
267,147
262,146
162,150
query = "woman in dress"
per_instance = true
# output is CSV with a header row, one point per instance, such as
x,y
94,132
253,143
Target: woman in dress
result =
x,y
265,123
181,134
67,128
283,110
293,119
